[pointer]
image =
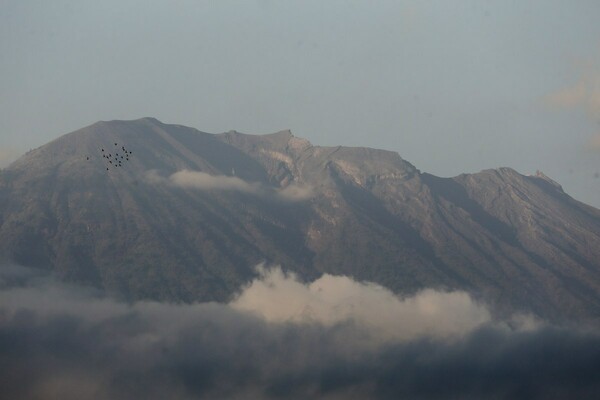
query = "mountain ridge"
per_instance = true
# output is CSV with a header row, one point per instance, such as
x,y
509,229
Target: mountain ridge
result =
x,y
519,242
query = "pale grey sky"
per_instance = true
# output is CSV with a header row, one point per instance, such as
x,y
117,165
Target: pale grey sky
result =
x,y
453,86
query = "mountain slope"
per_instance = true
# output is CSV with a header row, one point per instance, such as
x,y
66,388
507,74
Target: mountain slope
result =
x,y
191,213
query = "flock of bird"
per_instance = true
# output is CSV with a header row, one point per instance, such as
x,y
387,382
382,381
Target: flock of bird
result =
x,y
117,157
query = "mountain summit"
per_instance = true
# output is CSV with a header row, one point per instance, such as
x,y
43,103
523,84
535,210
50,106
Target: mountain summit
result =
x,y
190,214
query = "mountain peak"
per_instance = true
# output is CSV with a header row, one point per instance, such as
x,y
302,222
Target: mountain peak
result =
x,y
284,133
142,119
150,119
540,175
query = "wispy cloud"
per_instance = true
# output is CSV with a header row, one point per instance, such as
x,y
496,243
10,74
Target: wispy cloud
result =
x,y
582,94
294,192
61,341
202,181
569,96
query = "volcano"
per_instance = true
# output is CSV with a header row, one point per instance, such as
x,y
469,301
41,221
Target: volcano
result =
x,y
189,215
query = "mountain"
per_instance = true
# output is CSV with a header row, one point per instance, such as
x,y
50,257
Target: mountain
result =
x,y
190,214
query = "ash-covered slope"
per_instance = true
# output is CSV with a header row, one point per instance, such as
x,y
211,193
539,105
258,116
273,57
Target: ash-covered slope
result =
x,y
121,230
191,213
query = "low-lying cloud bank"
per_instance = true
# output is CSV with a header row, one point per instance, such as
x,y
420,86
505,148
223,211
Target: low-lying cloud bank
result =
x,y
202,181
333,338
380,315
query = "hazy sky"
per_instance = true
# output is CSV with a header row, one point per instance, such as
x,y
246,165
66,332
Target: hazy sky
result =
x,y
452,86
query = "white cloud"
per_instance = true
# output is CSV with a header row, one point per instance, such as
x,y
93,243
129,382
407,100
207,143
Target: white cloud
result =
x,y
202,181
331,300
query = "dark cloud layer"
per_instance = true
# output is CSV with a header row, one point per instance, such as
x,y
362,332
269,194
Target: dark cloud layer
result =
x,y
62,342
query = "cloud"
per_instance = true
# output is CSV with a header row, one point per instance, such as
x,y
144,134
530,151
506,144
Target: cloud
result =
x,y
59,341
293,192
202,181
567,97
333,300
583,94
